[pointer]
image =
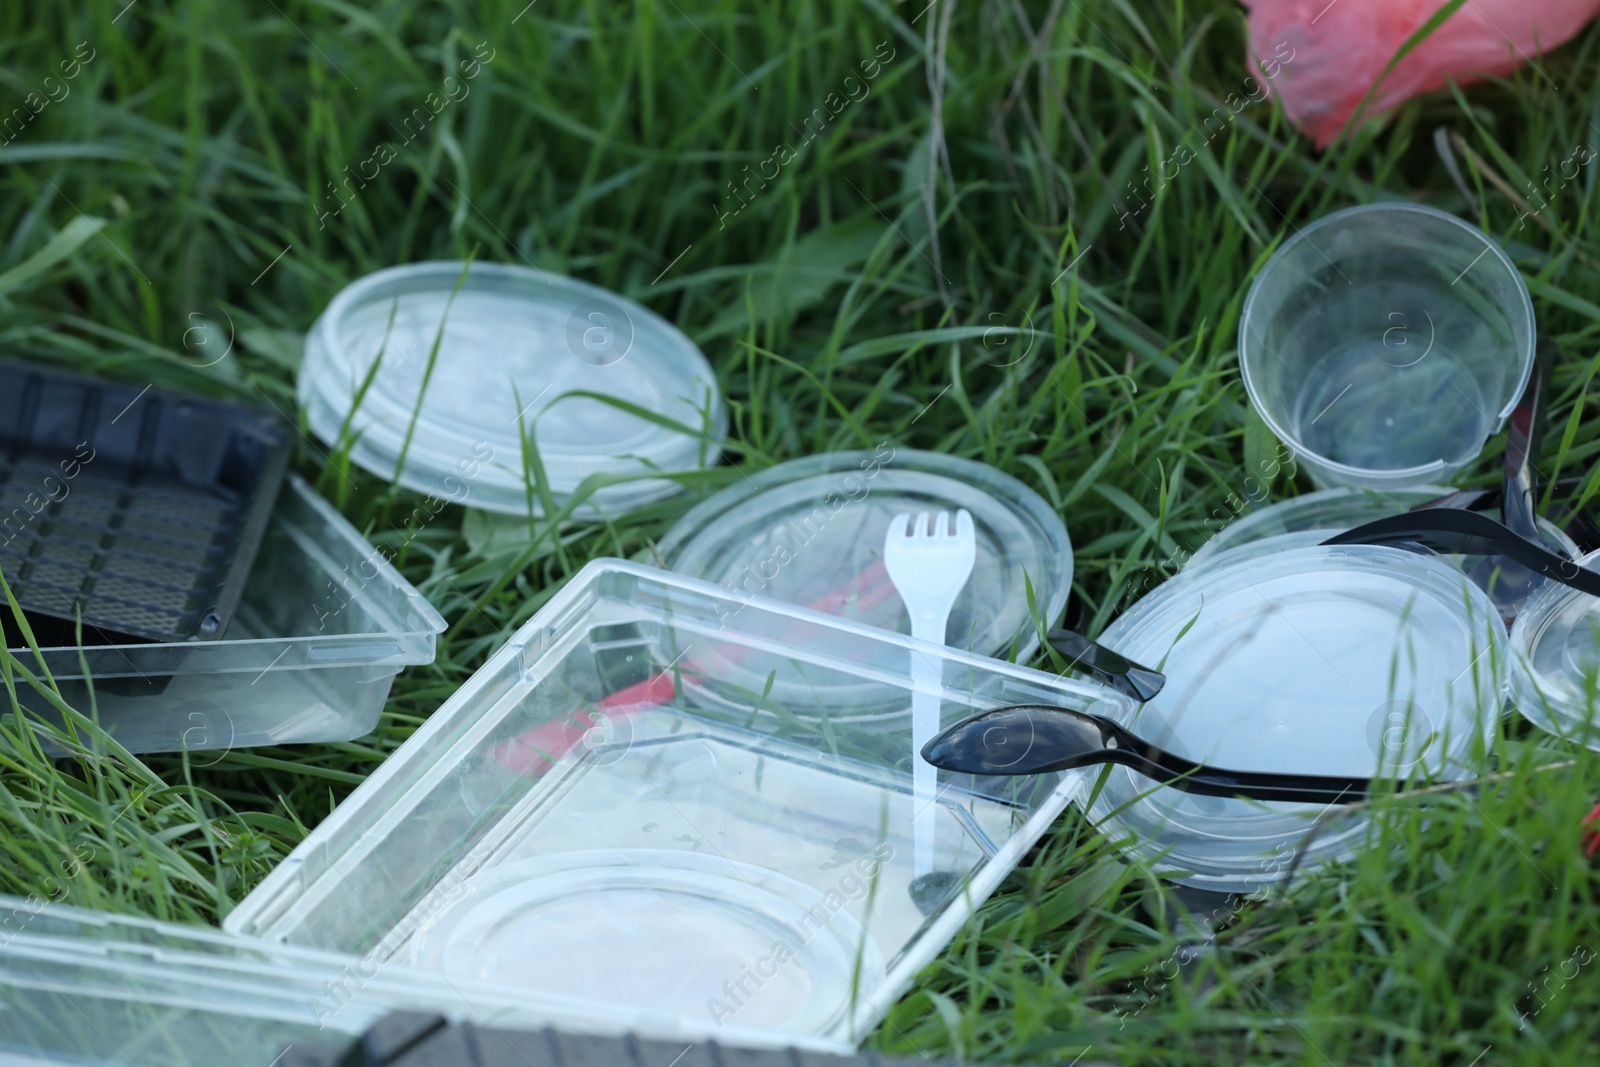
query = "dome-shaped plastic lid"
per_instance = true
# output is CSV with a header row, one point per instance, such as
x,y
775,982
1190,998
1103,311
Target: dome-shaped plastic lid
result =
x,y
1352,661
811,532
1556,645
604,386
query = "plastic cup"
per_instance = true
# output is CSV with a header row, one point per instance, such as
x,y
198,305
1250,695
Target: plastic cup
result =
x,y
1384,344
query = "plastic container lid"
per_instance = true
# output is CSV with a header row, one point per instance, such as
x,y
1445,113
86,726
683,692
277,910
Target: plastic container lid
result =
x,y
1556,644
810,532
1319,515
516,344
1355,660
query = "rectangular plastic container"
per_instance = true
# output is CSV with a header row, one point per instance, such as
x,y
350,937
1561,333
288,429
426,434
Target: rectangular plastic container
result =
x,y
659,797
90,987
324,626
87,987
141,509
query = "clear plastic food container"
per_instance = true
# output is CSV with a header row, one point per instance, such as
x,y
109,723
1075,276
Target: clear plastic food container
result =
x,y
810,532
1355,660
1556,644
87,987
601,812
324,626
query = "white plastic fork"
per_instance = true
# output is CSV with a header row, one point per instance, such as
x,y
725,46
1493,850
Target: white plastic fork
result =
x,y
929,570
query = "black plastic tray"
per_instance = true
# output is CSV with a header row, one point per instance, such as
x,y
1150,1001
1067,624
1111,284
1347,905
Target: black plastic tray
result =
x,y
138,508
407,1039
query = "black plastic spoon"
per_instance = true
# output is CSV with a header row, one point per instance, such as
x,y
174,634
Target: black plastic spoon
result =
x,y
1039,739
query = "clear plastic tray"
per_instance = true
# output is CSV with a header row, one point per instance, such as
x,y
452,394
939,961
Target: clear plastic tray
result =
x,y
599,813
324,626
87,987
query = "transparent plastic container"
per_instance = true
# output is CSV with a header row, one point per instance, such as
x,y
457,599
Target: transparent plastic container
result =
x,y
810,532
1385,343
1556,643
698,849
324,626
1355,661
86,987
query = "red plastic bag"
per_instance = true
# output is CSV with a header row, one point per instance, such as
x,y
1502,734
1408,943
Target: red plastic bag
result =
x,y
1337,50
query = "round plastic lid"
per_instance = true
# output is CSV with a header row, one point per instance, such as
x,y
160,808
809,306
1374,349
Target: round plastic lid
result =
x,y
1556,644
661,930
811,531
515,345
1355,661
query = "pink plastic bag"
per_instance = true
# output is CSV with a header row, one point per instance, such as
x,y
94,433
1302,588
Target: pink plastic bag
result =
x,y
1337,50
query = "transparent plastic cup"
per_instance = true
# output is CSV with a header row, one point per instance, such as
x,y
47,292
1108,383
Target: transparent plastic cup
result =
x,y
1384,344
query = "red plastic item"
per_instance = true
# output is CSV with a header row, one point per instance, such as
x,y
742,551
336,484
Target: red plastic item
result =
x,y
1323,57
535,751
1591,838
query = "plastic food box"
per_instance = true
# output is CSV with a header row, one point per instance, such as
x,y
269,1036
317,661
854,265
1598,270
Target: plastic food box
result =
x,y
1354,660
324,626
86,987
1556,645
140,509
600,813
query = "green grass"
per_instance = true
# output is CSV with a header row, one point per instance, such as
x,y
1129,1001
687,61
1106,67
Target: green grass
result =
x,y
853,301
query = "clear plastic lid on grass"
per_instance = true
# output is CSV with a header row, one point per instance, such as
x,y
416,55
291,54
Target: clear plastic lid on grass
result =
x,y
600,812
1385,343
1359,661
605,387
1556,644
810,532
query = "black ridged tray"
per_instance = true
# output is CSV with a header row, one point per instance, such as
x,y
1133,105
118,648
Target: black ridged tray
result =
x,y
141,509
407,1039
